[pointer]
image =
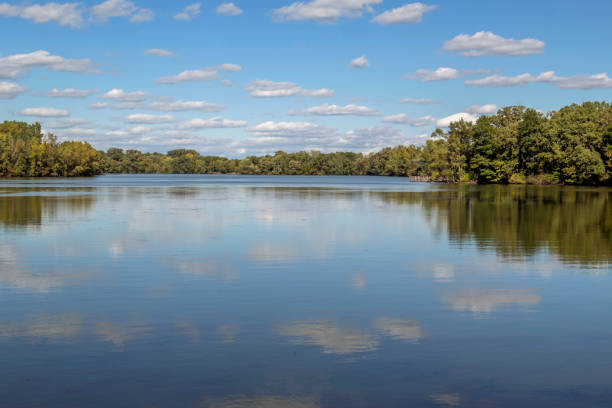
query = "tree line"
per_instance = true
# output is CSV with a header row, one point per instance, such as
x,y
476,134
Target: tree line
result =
x,y
517,145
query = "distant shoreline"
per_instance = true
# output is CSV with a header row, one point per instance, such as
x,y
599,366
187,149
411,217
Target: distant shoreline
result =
x,y
517,145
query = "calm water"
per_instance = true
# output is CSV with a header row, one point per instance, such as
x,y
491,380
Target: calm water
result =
x,y
303,292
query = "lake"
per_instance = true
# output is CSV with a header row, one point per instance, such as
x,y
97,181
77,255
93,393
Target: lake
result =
x,y
303,292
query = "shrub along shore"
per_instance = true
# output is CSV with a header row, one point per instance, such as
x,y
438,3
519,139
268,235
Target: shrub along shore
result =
x,y
572,145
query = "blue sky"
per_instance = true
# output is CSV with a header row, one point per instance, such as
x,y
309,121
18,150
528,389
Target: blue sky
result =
x,y
253,77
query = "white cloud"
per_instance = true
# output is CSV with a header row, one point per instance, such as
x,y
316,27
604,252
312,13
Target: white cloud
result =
x,y
271,89
140,130
68,14
600,80
290,129
335,110
269,137
445,122
98,105
9,90
229,9
360,62
324,10
196,75
226,82
402,118
216,122
149,119
169,105
230,67
121,8
120,95
142,16
159,52
574,82
486,43
419,101
188,12
67,123
44,112
488,109
408,14
440,74
13,66
67,93
498,80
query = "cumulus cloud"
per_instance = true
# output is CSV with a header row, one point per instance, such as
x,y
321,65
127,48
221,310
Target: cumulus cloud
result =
x,y
142,16
230,67
402,118
44,112
498,80
488,109
159,52
140,130
360,62
573,82
67,93
98,105
67,123
486,43
229,9
335,110
440,74
467,117
9,90
269,137
216,122
121,8
13,66
170,105
600,80
420,101
195,75
271,89
120,95
148,118
188,13
68,14
226,82
408,14
323,10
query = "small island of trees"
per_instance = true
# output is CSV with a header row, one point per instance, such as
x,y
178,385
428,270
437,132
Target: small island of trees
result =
x,y
517,145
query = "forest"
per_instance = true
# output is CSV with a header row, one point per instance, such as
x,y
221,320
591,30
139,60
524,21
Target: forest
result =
x,y
518,145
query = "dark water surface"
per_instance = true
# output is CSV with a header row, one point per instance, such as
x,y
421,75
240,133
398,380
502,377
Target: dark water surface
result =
x,y
303,292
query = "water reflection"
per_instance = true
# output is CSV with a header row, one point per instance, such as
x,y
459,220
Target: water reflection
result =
x,y
332,339
257,295
119,334
263,401
45,328
490,300
518,221
400,329
34,210
447,400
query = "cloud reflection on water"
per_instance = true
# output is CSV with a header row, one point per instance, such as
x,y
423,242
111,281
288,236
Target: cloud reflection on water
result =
x,y
490,300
